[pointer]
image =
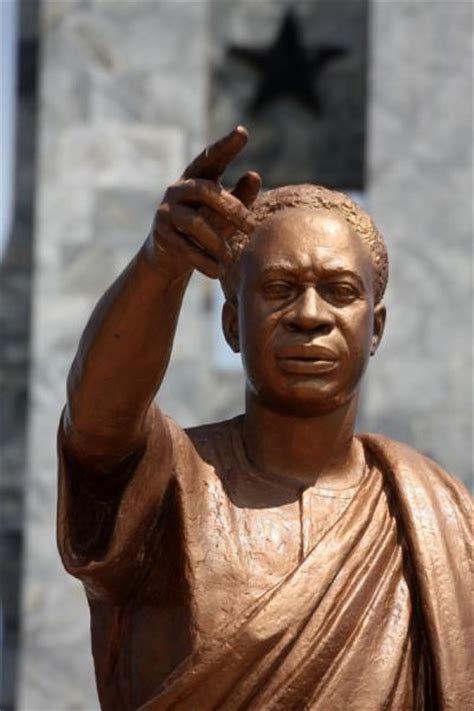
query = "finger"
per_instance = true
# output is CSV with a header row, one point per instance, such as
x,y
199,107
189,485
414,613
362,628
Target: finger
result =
x,y
247,188
193,223
246,191
204,192
196,256
201,261
214,159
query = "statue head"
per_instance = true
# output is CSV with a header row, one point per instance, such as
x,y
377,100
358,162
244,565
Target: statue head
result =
x,y
303,298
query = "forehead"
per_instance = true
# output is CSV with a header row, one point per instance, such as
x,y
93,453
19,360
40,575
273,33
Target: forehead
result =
x,y
305,238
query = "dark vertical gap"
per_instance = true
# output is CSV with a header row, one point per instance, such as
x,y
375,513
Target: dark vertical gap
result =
x,y
368,89
15,307
362,422
301,553
365,104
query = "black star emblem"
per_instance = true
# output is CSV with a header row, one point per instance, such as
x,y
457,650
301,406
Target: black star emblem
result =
x,y
287,67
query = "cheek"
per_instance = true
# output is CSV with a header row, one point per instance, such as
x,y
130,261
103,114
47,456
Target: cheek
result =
x,y
257,324
257,336
357,333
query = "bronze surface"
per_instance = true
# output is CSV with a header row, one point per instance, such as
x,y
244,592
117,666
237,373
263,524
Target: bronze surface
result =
x,y
274,561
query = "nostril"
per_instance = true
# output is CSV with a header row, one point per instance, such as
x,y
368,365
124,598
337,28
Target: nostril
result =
x,y
319,330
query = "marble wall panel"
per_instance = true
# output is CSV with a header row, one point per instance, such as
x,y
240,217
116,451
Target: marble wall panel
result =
x,y
101,173
420,193
108,155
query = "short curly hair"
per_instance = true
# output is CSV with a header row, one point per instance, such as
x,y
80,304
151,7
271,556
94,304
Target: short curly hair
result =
x,y
315,197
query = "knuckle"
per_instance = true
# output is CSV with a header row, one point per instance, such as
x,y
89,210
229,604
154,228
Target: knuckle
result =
x,y
163,211
173,190
190,223
170,190
181,214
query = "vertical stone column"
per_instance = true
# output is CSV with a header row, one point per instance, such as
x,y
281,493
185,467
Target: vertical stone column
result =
x,y
21,24
123,106
420,193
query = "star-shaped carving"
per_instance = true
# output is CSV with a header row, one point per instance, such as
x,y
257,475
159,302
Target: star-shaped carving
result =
x,y
287,67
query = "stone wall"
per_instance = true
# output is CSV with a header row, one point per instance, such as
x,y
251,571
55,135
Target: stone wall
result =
x,y
119,118
15,295
420,193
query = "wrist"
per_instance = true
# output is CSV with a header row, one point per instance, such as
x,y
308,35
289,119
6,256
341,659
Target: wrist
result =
x,y
163,260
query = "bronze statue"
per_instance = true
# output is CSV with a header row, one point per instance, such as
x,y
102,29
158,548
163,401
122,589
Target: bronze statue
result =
x,y
273,561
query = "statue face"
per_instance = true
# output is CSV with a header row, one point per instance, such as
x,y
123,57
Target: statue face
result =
x,y
305,321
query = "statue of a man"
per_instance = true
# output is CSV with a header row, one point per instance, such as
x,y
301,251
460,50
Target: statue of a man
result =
x,y
273,561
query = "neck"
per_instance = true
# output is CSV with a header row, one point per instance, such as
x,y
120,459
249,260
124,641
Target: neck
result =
x,y
303,451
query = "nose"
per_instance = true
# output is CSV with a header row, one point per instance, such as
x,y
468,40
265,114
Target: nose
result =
x,y
309,313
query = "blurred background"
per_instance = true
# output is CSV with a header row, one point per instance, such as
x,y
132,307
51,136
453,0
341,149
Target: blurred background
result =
x,y
103,104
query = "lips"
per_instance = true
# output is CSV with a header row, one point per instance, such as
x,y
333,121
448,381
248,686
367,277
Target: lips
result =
x,y
307,359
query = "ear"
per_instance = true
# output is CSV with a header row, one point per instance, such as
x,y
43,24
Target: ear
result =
x,y
380,314
230,325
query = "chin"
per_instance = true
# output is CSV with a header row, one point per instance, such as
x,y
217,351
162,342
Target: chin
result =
x,y
306,399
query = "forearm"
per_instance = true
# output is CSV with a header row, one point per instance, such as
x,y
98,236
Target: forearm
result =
x,y
125,349
123,355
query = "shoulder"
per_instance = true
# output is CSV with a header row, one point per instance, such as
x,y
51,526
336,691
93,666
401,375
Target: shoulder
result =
x,y
214,435
414,472
211,444
212,430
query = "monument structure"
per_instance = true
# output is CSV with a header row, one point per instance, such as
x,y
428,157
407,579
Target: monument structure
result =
x,y
274,560
116,103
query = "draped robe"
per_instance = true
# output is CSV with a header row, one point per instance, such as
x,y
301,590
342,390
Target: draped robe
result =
x,y
210,588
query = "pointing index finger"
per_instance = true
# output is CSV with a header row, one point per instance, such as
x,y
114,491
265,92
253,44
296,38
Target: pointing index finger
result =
x,y
212,162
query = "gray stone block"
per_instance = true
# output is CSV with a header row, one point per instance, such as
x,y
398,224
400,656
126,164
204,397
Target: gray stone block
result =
x,y
420,195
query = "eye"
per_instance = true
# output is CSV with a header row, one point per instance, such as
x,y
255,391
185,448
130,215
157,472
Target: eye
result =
x,y
278,289
340,292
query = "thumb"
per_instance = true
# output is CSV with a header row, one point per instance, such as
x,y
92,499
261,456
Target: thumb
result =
x,y
247,188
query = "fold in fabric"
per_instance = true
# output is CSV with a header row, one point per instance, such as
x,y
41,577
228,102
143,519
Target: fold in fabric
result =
x,y
309,641
377,615
344,629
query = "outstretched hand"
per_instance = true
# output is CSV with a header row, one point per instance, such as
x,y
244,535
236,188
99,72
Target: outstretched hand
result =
x,y
197,215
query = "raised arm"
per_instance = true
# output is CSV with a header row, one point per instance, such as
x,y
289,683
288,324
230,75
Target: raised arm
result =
x,y
125,348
